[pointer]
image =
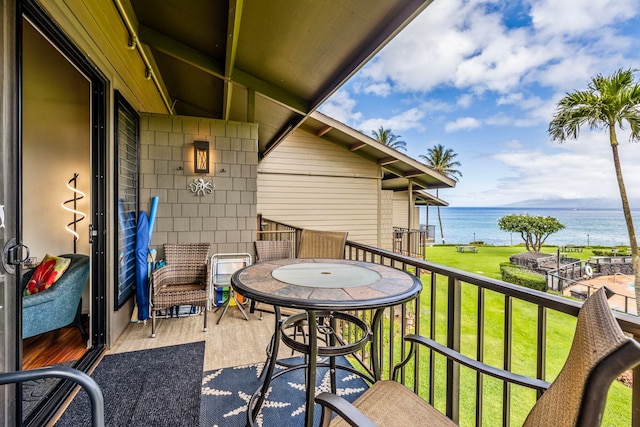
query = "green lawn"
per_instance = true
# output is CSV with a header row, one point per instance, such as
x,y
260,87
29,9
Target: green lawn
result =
x,y
560,330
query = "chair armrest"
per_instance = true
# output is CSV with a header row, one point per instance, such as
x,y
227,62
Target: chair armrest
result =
x,y
39,298
174,274
331,402
498,373
161,277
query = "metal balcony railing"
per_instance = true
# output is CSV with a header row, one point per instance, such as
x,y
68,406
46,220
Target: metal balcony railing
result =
x,y
508,326
488,320
412,242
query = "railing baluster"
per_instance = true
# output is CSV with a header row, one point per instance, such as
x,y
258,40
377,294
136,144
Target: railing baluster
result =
x,y
432,335
541,364
416,365
454,309
506,390
635,393
480,356
403,333
392,334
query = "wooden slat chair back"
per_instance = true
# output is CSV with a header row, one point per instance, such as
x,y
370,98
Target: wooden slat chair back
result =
x,y
599,353
322,244
184,280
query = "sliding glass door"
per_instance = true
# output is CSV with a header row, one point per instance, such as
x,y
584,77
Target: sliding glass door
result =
x,y
9,207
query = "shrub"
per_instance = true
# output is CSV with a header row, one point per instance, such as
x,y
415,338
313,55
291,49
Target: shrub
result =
x,y
522,277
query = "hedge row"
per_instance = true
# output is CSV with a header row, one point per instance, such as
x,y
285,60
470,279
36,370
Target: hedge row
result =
x,y
523,277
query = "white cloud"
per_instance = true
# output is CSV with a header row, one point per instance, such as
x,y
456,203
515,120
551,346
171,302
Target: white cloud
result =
x,y
462,124
578,16
465,100
499,119
381,89
573,170
466,44
410,119
340,107
434,105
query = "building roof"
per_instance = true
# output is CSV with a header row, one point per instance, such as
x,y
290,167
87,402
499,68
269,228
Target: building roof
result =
x,y
271,62
399,169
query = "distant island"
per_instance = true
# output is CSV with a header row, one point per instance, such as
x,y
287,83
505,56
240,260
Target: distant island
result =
x,y
584,203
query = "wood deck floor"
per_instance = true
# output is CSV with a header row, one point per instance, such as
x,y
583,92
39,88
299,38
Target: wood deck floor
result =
x,y
234,342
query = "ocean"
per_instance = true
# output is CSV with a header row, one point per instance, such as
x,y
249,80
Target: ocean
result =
x,y
595,227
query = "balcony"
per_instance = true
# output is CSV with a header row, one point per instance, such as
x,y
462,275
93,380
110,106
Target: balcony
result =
x,y
412,242
502,324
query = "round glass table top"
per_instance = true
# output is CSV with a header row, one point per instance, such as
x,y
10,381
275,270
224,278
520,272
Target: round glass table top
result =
x,y
331,284
326,275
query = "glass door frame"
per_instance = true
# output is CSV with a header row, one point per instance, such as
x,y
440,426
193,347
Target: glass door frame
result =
x,y
30,10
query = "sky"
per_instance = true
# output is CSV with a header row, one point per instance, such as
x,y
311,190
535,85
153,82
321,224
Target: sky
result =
x,y
483,78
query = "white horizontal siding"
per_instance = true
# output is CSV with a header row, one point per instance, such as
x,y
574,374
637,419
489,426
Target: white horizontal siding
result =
x,y
305,154
323,203
401,211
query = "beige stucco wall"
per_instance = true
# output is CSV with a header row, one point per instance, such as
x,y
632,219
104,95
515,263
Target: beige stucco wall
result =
x,y
307,182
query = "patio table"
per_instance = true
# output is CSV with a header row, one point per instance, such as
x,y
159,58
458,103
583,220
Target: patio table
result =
x,y
320,287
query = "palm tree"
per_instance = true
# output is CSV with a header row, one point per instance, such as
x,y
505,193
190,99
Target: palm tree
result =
x,y
388,138
442,160
609,101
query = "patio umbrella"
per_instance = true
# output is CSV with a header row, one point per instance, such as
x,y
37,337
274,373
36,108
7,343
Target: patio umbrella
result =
x,y
142,273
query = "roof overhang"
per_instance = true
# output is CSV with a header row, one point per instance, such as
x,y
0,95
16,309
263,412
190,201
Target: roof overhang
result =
x,y
270,62
398,168
422,198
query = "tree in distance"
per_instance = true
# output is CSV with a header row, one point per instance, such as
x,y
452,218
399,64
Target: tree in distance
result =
x,y
442,160
608,102
534,230
388,138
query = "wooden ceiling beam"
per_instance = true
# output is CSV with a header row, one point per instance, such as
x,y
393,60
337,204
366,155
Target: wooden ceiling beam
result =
x,y
357,145
233,32
324,131
387,161
203,62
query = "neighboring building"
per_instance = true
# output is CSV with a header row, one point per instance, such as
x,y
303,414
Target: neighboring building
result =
x,y
328,176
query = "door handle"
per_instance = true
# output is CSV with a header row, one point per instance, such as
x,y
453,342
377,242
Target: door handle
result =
x,y
13,255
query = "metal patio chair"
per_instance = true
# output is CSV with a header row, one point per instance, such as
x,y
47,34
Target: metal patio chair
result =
x,y
599,353
184,280
223,266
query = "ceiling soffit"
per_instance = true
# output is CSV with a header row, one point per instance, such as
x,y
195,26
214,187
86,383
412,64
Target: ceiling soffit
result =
x,y
273,62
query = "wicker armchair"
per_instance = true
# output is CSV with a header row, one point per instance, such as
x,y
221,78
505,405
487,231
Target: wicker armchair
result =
x,y
322,244
599,353
184,280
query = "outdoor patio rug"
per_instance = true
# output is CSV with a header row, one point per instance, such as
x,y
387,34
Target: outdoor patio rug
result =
x,y
157,387
34,391
226,392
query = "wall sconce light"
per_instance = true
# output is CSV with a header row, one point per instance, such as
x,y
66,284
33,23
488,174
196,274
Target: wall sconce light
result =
x,y
201,157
